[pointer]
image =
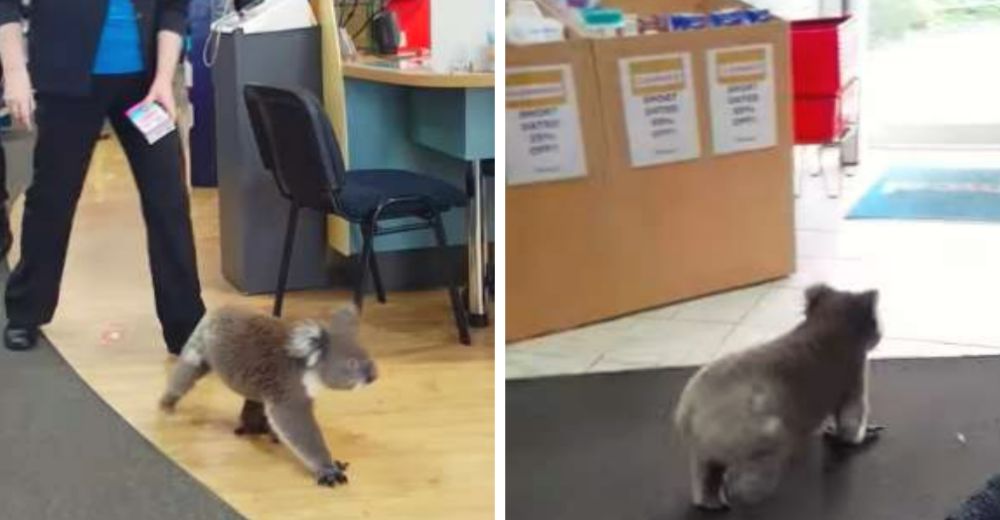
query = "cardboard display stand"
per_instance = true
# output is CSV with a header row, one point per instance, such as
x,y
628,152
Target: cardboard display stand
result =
x,y
555,229
683,197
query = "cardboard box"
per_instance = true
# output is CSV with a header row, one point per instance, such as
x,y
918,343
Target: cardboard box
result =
x,y
651,226
555,228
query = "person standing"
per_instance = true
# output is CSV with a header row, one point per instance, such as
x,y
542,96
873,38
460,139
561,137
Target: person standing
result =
x,y
90,61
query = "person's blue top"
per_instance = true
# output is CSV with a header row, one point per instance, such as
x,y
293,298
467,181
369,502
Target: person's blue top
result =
x,y
120,48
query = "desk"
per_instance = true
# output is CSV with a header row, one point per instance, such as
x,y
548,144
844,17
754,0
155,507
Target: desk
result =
x,y
432,123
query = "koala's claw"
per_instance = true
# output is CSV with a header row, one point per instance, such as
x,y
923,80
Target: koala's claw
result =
x,y
712,507
872,433
333,474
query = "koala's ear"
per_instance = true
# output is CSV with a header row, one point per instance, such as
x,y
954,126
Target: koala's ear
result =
x,y
345,320
869,300
308,341
815,294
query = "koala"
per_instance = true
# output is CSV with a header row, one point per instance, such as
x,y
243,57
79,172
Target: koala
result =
x,y
744,415
278,367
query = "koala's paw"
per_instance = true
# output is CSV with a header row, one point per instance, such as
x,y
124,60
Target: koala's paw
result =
x,y
332,475
712,506
253,428
168,404
872,434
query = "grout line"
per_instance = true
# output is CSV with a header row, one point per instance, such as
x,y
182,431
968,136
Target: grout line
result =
x,y
594,364
755,306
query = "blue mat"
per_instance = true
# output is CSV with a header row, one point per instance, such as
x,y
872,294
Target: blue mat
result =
x,y
933,194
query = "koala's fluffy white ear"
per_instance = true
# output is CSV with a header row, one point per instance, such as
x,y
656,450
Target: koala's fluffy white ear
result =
x,y
345,320
307,342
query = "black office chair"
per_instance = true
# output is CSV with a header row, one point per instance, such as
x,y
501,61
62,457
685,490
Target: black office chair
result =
x,y
298,146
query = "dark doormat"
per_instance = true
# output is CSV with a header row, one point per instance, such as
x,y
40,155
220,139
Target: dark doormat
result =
x,y
602,447
66,455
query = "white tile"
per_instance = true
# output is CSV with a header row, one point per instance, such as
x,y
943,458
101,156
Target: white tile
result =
x,y
780,308
613,365
746,336
668,343
728,307
589,340
891,348
521,365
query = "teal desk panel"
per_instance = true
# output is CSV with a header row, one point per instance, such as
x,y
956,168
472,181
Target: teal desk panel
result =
x,y
458,122
380,118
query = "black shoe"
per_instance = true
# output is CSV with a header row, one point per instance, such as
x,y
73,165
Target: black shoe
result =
x,y
20,338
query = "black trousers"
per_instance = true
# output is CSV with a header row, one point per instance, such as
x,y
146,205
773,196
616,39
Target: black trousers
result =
x,y
68,129
3,181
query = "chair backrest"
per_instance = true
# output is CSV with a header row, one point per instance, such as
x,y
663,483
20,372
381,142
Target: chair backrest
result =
x,y
297,144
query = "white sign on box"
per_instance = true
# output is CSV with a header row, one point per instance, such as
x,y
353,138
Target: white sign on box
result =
x,y
660,115
544,140
741,86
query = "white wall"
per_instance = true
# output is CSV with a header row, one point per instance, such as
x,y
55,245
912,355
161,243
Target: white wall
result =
x,y
459,31
800,9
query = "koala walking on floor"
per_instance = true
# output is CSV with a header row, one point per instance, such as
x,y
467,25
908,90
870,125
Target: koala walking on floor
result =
x,y
278,367
743,416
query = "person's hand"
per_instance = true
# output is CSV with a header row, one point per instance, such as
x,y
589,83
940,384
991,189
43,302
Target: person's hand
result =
x,y
162,92
19,97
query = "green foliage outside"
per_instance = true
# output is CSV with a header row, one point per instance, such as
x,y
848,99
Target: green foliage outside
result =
x,y
891,20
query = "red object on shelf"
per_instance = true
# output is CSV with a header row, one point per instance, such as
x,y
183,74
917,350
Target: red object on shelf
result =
x,y
415,21
824,78
824,55
823,119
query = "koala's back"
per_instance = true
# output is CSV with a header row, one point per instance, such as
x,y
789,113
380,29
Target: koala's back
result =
x,y
745,403
247,351
727,412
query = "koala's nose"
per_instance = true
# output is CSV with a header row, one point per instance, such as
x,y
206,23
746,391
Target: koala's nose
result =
x,y
371,373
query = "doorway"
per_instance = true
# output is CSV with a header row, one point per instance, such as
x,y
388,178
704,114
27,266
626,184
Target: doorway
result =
x,y
928,77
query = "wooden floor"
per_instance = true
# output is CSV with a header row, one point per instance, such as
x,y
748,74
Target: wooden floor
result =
x,y
420,441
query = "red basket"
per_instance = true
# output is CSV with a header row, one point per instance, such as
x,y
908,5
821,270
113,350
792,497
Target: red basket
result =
x,y
824,55
824,72
823,119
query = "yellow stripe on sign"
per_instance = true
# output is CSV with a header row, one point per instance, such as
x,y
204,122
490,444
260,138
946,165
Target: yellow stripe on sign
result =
x,y
535,103
534,77
742,66
657,76
755,54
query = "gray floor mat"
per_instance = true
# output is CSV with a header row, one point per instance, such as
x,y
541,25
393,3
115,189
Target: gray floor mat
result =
x,y
65,454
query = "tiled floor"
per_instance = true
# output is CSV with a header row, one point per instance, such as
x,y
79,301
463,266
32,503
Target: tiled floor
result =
x,y
939,284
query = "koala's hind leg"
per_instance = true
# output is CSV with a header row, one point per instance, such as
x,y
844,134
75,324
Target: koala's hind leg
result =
x,y
706,484
295,425
186,373
751,481
253,420
851,425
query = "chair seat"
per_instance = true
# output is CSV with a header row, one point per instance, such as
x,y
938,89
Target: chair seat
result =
x,y
365,190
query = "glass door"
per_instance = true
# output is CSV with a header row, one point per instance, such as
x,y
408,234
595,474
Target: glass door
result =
x,y
931,75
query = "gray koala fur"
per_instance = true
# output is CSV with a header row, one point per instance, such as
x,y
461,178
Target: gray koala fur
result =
x,y
278,367
743,416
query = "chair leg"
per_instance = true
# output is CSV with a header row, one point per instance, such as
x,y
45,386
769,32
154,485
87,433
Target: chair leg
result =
x,y
461,318
286,259
377,276
364,262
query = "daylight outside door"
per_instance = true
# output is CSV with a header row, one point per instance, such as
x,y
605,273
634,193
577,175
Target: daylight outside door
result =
x,y
931,75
